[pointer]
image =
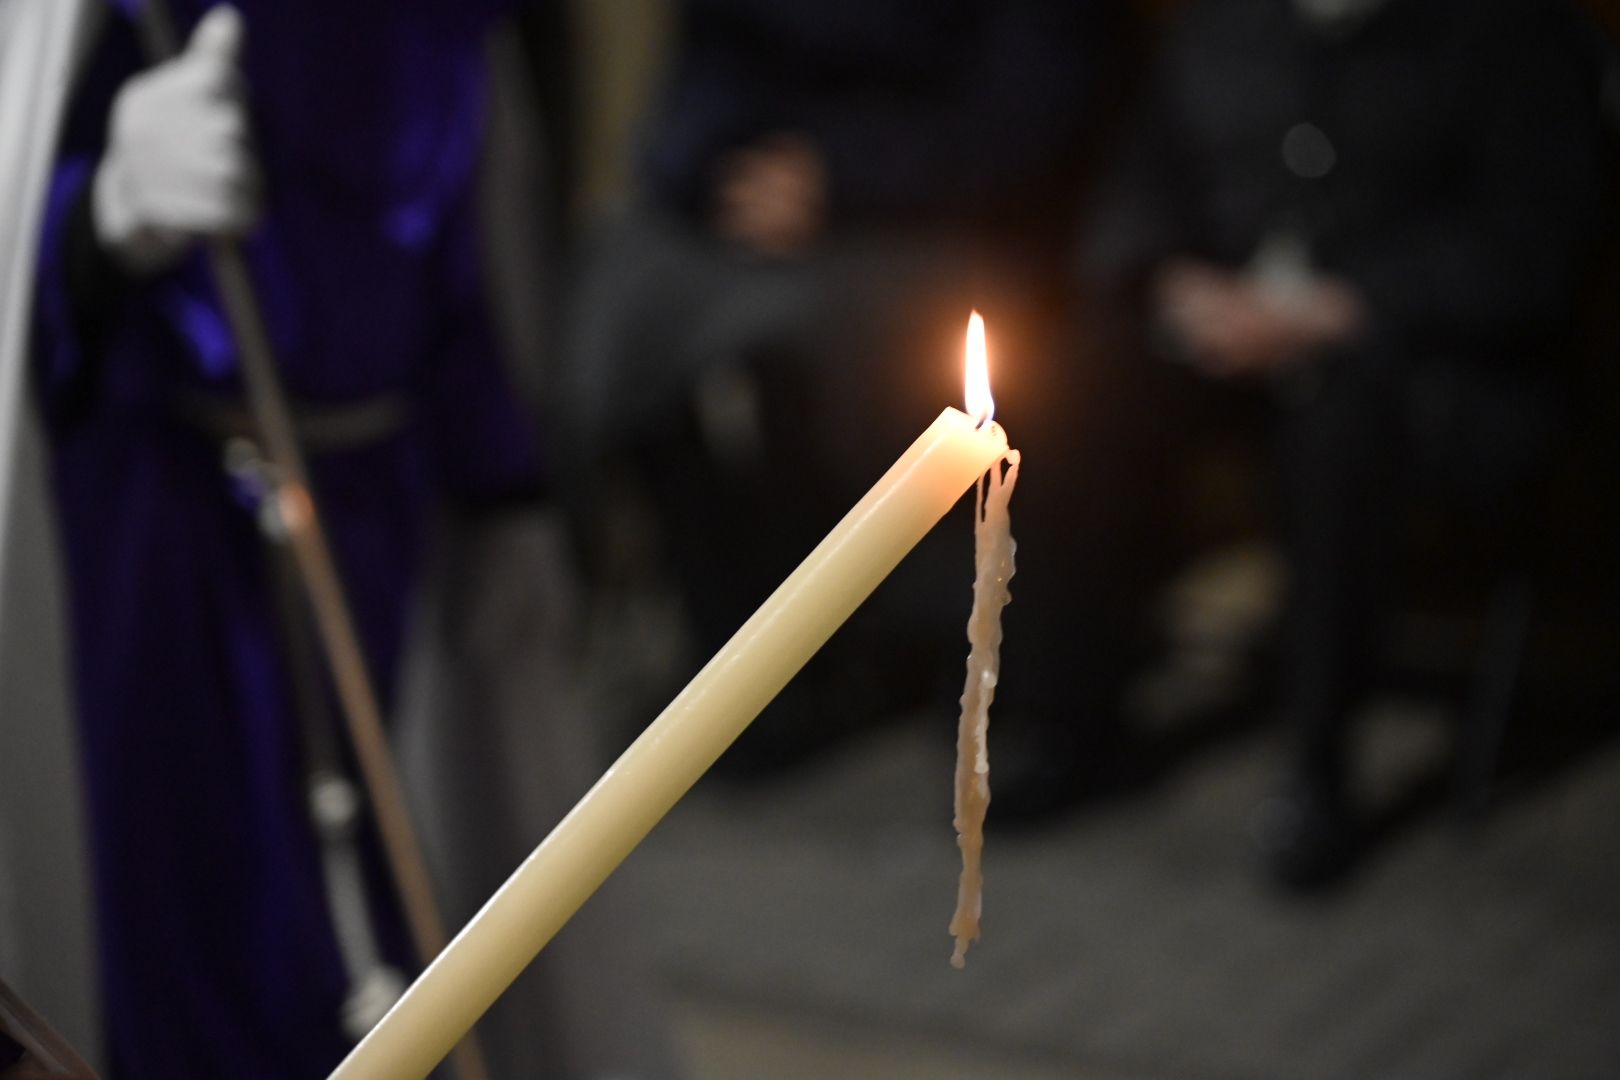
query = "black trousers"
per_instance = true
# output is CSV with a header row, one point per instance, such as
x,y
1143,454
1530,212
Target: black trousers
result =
x,y
1363,440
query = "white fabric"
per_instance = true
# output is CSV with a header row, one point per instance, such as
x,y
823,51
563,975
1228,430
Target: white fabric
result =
x,y
178,164
45,930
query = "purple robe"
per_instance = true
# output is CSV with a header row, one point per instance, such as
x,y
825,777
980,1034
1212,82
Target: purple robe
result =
x,y
217,952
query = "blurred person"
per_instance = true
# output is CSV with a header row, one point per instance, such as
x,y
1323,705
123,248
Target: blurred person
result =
x,y
825,191
340,144
1370,217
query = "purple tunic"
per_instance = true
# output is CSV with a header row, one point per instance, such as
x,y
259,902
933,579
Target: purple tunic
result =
x,y
218,956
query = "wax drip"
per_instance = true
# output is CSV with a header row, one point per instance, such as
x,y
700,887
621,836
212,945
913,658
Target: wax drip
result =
x,y
993,549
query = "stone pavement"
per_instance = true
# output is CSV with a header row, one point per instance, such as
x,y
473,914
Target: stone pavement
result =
x,y
800,926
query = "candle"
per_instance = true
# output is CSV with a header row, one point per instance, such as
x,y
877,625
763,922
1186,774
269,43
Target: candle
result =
x,y
993,549
677,748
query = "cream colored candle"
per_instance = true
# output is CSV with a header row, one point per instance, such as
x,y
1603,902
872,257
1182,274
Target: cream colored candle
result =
x,y
670,756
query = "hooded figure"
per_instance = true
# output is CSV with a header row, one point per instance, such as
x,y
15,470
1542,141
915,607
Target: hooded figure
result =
x,y
352,190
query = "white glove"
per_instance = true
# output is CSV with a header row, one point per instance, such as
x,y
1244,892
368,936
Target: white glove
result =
x,y
178,163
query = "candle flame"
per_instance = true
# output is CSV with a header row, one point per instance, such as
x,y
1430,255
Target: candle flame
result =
x,y
980,405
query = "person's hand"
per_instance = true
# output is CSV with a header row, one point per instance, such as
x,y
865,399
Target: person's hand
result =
x,y
772,196
178,164
1229,324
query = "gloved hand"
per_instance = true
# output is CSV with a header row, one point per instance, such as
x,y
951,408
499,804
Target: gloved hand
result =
x,y
178,163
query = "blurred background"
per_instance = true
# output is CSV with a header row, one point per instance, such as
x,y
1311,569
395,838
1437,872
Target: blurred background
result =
x,y
1147,935
1302,313
1139,921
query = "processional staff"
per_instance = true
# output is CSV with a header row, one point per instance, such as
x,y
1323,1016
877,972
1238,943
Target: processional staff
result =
x,y
299,516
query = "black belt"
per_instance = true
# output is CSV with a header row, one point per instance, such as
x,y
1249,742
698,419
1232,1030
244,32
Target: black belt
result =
x,y
321,428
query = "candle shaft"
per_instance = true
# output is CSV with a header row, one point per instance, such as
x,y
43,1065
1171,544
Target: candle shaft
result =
x,y
675,750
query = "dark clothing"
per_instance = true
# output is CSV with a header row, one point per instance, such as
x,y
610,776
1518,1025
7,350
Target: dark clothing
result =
x,y
1452,172
217,949
953,137
1443,158
928,112
759,399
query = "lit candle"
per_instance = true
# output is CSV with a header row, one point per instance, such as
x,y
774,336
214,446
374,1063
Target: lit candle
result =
x,y
678,747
